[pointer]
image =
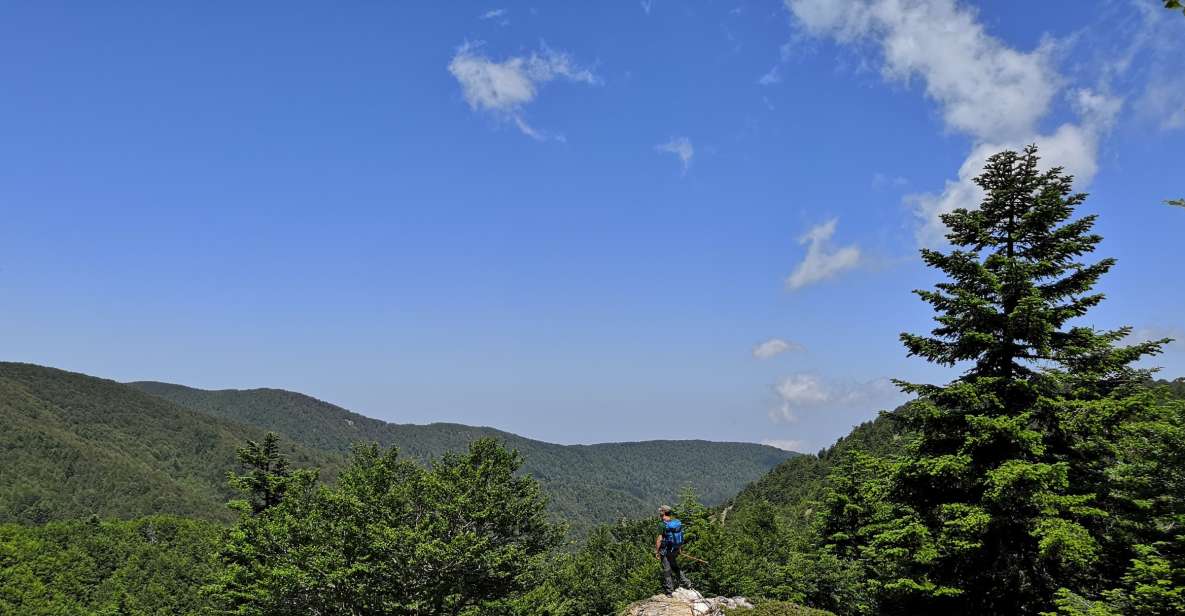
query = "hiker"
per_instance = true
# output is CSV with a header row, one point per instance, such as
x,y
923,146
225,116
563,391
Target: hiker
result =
x,y
666,550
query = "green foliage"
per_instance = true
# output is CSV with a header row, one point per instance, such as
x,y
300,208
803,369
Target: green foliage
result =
x,y
152,567
1174,4
614,567
1176,202
779,608
392,537
586,484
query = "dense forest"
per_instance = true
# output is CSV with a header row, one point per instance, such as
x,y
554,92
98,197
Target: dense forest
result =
x,y
1047,479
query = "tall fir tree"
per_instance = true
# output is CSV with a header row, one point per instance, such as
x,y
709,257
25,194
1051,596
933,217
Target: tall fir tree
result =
x,y
1004,496
267,474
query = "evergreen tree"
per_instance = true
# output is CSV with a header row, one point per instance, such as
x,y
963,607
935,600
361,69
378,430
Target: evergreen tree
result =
x,y
1151,474
1003,497
267,475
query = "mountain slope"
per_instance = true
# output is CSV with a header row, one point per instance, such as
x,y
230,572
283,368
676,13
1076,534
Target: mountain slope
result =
x,y
801,479
72,445
587,483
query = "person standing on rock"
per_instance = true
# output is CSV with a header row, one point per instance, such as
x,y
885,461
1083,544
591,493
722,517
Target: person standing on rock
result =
x,y
666,549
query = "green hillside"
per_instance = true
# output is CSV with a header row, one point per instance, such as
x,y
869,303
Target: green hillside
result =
x,y
73,445
587,483
802,479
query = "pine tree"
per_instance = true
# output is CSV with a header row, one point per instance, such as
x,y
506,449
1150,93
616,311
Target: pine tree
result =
x,y
267,475
1004,498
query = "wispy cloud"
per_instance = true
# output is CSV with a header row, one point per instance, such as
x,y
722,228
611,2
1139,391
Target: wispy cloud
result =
x,y
1159,332
795,445
985,89
493,14
772,76
647,5
882,180
681,147
822,261
774,347
504,88
802,392
1164,102
1150,45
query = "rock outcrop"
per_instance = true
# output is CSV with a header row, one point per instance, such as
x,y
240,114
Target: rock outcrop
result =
x,y
684,602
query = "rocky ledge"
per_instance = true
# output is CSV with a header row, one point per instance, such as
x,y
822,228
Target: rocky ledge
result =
x,y
684,602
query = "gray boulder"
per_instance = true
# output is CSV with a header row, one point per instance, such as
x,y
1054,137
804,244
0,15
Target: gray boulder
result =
x,y
684,602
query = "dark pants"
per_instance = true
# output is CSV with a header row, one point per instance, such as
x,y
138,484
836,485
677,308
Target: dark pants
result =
x,y
672,572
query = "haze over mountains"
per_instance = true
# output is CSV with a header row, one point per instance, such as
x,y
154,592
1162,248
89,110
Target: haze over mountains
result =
x,y
79,445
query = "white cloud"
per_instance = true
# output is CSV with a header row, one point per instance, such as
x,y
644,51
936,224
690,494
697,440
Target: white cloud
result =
x,y
493,14
1072,146
802,392
1147,334
775,346
647,5
794,445
680,147
504,88
1164,101
774,75
822,261
985,89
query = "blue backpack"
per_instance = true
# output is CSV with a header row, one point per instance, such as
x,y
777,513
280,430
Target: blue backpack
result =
x,y
672,535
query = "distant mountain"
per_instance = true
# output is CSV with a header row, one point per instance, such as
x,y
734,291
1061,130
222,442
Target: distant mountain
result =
x,y
72,445
587,483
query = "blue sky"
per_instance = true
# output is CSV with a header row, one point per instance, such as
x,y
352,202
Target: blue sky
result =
x,y
576,221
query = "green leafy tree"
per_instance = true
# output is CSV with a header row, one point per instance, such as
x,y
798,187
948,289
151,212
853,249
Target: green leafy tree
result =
x,y
150,566
1174,5
1003,496
391,538
1176,202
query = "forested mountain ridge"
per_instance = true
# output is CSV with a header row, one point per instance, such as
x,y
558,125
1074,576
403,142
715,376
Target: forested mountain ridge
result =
x,y
601,482
73,445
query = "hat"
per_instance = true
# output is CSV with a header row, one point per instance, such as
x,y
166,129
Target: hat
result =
x,y
664,510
